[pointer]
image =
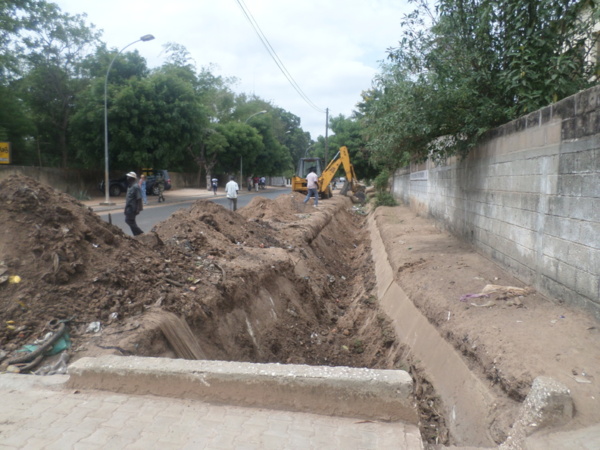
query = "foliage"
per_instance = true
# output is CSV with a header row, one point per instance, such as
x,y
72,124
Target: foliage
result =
x,y
349,132
384,199
381,181
53,75
472,65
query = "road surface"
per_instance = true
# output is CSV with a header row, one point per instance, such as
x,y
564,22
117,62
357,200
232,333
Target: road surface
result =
x,y
155,213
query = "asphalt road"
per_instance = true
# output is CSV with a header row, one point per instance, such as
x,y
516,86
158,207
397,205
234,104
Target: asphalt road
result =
x,y
158,212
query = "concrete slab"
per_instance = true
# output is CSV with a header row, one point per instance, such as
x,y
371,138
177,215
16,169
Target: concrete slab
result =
x,y
341,391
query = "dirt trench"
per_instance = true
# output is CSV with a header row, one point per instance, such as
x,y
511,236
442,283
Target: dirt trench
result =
x,y
278,281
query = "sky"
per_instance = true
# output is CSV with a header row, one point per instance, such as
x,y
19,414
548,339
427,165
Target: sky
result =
x,y
331,48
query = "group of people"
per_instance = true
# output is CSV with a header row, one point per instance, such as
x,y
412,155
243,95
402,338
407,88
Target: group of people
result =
x,y
136,198
256,183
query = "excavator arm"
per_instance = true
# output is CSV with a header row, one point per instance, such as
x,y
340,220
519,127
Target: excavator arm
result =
x,y
341,158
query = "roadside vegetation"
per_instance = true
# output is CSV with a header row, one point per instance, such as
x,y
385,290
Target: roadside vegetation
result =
x,y
459,69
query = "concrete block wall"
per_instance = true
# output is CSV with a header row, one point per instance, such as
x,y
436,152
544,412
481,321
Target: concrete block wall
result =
x,y
528,197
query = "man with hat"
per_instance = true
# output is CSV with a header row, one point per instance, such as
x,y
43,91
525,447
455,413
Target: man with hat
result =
x,y
133,203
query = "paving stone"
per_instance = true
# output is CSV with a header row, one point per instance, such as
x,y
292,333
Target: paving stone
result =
x,y
94,420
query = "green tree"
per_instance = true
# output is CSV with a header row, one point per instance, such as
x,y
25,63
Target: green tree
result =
x,y
154,121
87,123
470,66
53,62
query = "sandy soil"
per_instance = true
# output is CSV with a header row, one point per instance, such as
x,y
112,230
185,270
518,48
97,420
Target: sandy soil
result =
x,y
278,281
509,336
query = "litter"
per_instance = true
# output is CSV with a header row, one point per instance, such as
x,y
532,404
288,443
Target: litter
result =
x,y
93,327
466,297
486,304
509,291
504,291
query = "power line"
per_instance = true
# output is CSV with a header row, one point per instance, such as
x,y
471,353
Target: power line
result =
x,y
274,56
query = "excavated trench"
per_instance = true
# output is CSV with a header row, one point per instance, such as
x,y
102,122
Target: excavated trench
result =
x,y
278,281
316,300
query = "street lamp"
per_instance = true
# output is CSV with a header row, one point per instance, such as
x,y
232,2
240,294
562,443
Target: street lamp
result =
x,y
255,114
242,156
307,149
145,38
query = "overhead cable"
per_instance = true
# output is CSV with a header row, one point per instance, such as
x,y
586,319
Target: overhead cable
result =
x,y
274,56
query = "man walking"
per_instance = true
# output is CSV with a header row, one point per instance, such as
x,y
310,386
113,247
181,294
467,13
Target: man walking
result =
x,y
160,183
312,184
133,203
231,189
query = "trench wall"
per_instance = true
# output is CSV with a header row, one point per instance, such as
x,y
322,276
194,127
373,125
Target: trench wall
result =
x,y
528,197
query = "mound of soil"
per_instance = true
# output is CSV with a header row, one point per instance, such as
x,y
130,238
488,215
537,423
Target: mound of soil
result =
x,y
267,284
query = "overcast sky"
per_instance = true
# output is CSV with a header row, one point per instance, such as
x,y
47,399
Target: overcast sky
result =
x,y
331,48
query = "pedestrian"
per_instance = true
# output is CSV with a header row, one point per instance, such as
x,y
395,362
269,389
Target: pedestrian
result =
x,y
256,180
214,183
312,184
142,184
231,189
133,203
160,183
249,181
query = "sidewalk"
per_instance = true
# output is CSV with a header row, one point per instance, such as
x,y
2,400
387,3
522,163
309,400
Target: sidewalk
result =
x,y
42,413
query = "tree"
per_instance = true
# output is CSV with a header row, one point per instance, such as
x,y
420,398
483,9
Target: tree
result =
x,y
54,79
471,66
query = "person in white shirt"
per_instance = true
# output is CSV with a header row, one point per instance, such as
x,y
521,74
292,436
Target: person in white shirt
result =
x,y
312,184
231,189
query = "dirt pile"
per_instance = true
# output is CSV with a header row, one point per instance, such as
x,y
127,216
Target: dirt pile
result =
x,y
251,289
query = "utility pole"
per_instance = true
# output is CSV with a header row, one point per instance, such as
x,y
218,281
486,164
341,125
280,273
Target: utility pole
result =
x,y
326,133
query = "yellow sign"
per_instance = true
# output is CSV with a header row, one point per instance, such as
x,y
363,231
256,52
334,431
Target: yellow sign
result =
x,y
4,152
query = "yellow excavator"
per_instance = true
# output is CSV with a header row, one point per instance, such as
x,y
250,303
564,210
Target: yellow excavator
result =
x,y
342,158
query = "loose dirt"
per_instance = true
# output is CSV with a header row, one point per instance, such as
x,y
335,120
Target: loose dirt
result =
x,y
278,281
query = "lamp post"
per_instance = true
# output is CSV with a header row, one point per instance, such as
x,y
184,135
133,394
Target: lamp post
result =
x,y
145,38
242,156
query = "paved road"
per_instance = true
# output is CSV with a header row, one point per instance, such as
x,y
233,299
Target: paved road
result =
x,y
156,212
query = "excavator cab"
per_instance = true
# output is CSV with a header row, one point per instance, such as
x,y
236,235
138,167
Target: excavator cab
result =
x,y
303,169
305,164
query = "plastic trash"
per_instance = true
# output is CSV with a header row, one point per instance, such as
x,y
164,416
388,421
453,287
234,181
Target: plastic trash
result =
x,y
93,327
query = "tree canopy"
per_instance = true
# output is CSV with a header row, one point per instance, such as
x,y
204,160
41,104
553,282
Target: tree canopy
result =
x,y
53,71
469,65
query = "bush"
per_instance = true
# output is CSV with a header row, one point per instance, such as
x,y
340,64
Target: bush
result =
x,y
381,181
385,199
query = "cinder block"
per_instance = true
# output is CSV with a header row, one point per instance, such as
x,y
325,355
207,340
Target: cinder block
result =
x,y
588,284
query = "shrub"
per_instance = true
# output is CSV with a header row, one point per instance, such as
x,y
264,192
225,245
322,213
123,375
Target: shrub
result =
x,y
385,199
381,181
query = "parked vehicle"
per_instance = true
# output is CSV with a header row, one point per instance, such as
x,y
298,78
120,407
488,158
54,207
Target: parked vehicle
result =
x,y
119,186
151,174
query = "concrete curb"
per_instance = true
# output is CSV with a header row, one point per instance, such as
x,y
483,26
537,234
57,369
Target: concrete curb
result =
x,y
463,394
338,391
